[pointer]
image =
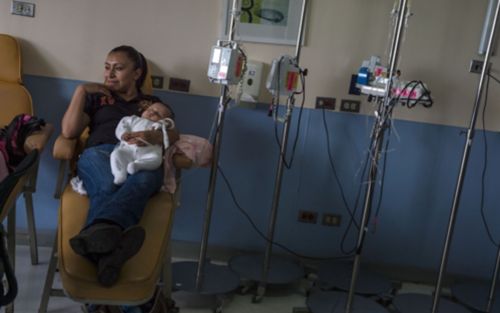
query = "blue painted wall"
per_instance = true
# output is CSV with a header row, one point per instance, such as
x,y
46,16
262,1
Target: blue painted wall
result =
x,y
423,161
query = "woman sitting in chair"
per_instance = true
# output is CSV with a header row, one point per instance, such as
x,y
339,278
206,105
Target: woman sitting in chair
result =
x,y
111,235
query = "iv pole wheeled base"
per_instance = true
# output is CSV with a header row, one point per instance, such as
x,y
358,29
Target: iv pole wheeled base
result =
x,y
474,295
282,270
335,302
420,303
217,279
479,296
338,275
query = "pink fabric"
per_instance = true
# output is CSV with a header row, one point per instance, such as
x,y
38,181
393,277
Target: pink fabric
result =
x,y
4,170
197,149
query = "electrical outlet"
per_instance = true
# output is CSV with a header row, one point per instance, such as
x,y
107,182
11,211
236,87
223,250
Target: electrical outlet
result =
x,y
22,8
476,66
331,219
308,217
179,84
157,81
347,105
325,102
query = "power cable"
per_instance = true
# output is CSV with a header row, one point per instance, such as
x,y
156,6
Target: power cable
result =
x,y
382,178
334,170
485,165
261,234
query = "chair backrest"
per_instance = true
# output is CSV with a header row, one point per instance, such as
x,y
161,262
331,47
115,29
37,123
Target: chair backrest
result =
x,y
10,60
14,98
13,184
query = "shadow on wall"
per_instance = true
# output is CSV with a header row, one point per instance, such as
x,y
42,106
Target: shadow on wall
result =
x,y
50,97
35,59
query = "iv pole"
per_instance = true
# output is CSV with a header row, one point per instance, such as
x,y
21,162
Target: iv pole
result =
x,y
461,175
494,280
199,278
261,289
213,171
382,114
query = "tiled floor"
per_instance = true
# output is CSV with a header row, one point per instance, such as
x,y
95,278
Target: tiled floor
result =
x,y
277,300
32,278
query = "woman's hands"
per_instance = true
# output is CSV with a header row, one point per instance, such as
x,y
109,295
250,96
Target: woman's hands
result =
x,y
143,138
89,88
149,137
75,120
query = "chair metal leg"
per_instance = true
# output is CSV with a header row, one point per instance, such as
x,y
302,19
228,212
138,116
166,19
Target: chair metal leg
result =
x,y
49,281
29,189
11,246
167,281
60,179
11,235
32,238
167,273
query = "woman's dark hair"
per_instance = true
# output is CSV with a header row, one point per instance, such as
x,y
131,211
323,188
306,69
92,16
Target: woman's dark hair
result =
x,y
153,99
139,62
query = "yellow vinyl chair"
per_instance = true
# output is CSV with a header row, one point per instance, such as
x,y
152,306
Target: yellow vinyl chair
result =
x,y
14,100
141,274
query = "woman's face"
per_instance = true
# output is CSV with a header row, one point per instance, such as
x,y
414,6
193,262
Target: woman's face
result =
x,y
120,73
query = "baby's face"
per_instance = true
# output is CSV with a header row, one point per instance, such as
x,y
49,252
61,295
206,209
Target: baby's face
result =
x,y
156,112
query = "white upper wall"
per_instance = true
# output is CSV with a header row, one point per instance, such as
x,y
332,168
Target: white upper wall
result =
x,y
70,39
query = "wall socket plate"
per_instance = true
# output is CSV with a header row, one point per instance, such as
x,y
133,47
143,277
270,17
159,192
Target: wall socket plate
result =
x,y
157,81
325,103
179,84
22,8
347,105
330,219
310,217
476,66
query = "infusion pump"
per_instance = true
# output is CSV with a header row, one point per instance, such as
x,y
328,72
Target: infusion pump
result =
x,y
227,63
283,77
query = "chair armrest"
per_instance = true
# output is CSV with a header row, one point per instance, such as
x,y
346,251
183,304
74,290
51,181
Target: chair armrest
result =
x,y
38,140
181,161
64,148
